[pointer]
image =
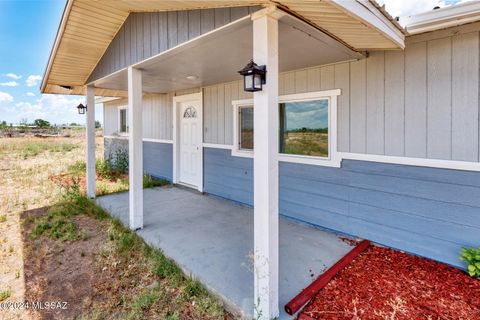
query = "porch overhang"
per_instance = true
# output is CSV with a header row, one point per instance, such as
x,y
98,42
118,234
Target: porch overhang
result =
x,y
215,57
88,27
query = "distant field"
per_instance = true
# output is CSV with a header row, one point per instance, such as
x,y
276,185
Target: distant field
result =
x,y
306,143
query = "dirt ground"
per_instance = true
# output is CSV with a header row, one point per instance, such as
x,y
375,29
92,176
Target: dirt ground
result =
x,y
24,185
58,247
55,271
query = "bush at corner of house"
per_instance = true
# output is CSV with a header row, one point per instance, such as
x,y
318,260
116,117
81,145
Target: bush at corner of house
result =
x,y
472,257
121,160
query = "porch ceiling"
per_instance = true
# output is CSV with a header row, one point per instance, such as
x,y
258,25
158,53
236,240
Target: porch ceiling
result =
x,y
217,56
88,27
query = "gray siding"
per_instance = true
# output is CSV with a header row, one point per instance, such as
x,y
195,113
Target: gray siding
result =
x,y
149,33
157,116
425,211
421,102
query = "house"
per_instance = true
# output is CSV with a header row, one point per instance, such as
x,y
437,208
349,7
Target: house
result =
x,y
362,126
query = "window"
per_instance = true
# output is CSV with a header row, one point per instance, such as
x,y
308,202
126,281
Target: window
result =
x,y
190,112
246,128
304,128
307,128
123,120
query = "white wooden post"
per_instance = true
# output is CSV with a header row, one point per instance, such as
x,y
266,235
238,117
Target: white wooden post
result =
x,y
135,148
90,129
265,167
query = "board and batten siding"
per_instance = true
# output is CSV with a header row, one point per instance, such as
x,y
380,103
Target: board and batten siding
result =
x,y
145,34
425,211
157,116
422,102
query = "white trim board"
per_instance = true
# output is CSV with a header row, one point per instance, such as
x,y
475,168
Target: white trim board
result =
x,y
125,137
407,161
217,146
419,162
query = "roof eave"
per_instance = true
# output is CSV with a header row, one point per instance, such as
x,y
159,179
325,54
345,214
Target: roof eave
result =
x,y
443,18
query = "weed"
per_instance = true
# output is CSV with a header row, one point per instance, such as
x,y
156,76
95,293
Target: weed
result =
x,y
5,294
126,242
58,224
166,268
151,182
17,274
145,300
193,288
173,316
3,218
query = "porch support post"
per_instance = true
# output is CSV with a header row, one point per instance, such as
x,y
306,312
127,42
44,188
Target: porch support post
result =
x,y
90,149
265,166
135,148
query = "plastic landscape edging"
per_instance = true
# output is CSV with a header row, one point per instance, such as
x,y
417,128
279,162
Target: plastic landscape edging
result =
x,y
306,294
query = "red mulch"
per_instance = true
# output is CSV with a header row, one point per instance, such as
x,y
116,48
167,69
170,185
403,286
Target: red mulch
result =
x,y
386,284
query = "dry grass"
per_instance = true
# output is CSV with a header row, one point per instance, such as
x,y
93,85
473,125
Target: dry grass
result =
x,y
25,165
75,240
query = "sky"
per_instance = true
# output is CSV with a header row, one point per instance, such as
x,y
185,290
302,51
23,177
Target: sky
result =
x,y
27,33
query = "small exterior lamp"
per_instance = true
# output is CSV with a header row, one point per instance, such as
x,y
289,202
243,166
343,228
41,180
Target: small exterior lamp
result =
x,y
81,109
254,76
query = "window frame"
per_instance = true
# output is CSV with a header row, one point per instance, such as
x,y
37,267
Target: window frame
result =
x,y
119,122
237,105
333,159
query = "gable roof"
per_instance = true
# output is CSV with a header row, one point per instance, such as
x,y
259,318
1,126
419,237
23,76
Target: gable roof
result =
x,y
88,27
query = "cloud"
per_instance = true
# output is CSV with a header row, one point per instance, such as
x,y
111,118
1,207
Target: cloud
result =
x,y
5,97
13,76
30,94
54,108
32,80
9,84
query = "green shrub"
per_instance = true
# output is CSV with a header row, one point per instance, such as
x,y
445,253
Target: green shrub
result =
x,y
104,169
472,257
121,160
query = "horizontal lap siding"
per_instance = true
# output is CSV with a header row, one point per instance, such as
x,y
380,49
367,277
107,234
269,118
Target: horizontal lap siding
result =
x,y
145,34
228,177
429,212
158,159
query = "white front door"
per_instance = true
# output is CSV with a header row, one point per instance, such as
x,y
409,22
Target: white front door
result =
x,y
190,143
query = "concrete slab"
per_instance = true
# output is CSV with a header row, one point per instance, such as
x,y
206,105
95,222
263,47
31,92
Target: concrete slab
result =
x,y
212,239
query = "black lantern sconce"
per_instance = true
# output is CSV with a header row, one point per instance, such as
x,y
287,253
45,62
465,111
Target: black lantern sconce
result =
x,y
254,76
81,109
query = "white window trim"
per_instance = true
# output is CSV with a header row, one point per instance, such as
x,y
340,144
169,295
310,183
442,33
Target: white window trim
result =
x,y
119,121
236,151
333,159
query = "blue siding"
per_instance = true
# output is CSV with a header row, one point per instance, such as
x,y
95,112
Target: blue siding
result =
x,y
228,177
158,159
425,211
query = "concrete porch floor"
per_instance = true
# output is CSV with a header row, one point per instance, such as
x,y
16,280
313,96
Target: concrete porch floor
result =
x,y
212,239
